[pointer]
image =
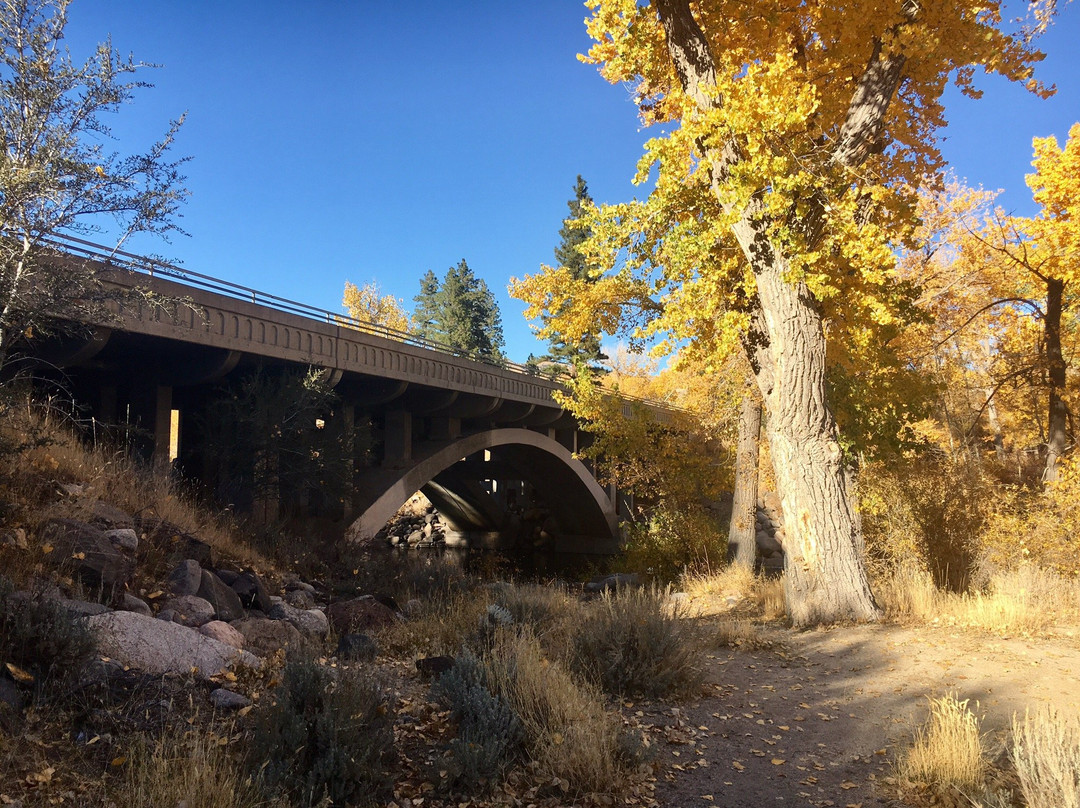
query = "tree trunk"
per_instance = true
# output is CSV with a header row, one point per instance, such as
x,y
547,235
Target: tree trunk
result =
x,y
742,538
826,579
1057,421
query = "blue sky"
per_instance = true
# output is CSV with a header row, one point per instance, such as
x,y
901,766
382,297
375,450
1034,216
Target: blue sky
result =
x,y
338,140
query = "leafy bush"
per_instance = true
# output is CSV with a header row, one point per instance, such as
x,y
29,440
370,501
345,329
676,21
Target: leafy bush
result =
x,y
674,540
326,736
634,642
40,637
489,733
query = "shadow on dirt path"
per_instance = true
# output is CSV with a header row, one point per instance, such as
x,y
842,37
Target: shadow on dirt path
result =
x,y
818,718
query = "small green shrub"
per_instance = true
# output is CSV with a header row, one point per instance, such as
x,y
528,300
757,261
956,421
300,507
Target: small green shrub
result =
x,y
40,637
489,733
635,642
326,736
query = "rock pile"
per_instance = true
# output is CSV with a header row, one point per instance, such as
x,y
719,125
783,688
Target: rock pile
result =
x,y
416,524
769,531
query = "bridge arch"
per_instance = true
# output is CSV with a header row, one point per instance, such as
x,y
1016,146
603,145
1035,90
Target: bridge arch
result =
x,y
586,520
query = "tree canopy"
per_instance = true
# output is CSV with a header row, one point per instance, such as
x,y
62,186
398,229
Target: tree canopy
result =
x,y
459,311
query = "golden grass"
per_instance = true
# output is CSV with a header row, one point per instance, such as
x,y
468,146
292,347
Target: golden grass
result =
x,y
1046,753
734,587
947,753
186,768
729,633
1023,601
568,732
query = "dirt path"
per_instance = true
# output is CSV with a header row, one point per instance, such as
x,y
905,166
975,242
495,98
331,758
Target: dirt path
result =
x,y
818,718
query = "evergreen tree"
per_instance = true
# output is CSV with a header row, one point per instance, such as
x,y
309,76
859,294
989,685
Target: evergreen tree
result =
x,y
568,254
461,312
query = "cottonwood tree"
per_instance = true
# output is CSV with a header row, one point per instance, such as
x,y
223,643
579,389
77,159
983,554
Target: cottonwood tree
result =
x,y
367,305
58,174
794,135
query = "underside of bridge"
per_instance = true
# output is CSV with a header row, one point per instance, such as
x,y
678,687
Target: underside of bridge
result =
x,y
500,486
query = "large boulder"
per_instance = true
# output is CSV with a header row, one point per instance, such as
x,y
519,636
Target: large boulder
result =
x,y
252,592
158,647
359,615
311,623
188,610
86,550
108,516
226,603
185,578
264,636
609,583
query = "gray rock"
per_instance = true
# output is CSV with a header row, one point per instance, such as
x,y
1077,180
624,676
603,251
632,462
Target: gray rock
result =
x,y
252,592
130,603
14,538
109,516
296,583
228,576
168,615
606,583
432,667
229,700
264,636
85,550
185,579
359,614
190,610
413,607
358,647
124,537
156,646
309,622
72,489
226,603
81,608
300,598
415,536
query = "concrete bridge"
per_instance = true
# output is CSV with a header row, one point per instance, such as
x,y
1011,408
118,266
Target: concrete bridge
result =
x,y
484,442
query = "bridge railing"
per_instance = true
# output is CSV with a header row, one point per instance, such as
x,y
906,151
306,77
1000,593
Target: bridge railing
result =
x,y
154,267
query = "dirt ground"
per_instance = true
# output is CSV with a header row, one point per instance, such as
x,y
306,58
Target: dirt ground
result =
x,y
819,717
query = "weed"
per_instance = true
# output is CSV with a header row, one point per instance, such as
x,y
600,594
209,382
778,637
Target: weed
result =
x,y
326,736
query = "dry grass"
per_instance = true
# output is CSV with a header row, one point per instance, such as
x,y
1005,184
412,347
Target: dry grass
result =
x,y
32,477
567,730
439,626
947,753
189,768
1024,601
1046,753
728,633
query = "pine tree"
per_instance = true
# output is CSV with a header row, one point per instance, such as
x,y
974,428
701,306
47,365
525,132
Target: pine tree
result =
x,y
460,312
568,254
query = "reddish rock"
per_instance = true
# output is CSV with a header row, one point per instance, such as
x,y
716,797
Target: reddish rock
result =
x,y
359,615
222,632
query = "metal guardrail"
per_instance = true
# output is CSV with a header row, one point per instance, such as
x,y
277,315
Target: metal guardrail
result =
x,y
153,267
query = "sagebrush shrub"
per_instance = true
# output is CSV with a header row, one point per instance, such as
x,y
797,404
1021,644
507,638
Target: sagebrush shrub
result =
x,y
41,637
1046,752
489,732
634,642
327,735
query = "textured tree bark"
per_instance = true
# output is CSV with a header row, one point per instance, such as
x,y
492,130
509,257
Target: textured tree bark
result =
x,y
826,577
742,538
1057,421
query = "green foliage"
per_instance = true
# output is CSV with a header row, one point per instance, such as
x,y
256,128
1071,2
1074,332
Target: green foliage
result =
x,y
40,637
489,732
326,736
676,538
460,311
573,234
634,642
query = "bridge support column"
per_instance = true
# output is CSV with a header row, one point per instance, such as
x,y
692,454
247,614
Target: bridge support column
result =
x,y
397,438
445,428
348,426
163,434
